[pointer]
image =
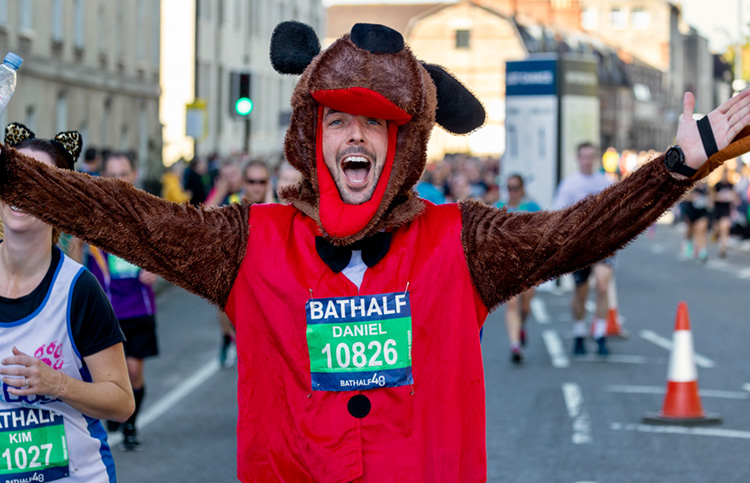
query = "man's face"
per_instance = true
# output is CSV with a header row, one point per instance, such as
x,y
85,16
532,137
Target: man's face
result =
x,y
256,182
232,174
354,150
119,167
586,159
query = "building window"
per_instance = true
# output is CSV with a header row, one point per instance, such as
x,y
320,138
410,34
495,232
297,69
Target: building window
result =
x,y
204,9
25,15
61,113
589,19
83,130
31,118
618,18
155,35
462,39
79,39
102,27
124,138
237,15
140,40
57,21
118,29
143,141
106,116
3,14
258,10
641,19
220,113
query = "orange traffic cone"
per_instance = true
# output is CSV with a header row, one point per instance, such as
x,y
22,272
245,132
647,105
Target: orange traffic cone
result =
x,y
614,328
682,404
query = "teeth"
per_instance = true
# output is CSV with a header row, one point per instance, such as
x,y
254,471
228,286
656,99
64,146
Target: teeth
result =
x,y
356,159
14,208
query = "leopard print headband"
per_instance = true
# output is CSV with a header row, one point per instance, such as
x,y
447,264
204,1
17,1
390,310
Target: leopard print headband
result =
x,y
70,141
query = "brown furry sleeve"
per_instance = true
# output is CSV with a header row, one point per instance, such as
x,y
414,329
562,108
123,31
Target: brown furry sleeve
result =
x,y
508,253
198,249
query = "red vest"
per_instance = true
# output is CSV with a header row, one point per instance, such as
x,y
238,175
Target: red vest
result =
x,y
432,432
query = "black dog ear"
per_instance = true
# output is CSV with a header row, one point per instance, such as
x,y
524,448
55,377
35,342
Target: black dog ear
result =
x,y
377,39
293,47
458,111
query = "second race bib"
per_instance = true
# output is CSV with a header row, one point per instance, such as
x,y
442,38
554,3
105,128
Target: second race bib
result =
x,y
32,445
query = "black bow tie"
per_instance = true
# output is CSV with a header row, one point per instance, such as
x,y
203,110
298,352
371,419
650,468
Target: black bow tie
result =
x,y
337,258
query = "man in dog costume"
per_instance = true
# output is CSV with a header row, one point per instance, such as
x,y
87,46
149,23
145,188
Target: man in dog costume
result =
x,y
358,306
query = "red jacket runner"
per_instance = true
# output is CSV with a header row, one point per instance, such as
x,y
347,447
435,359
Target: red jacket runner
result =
x,y
431,432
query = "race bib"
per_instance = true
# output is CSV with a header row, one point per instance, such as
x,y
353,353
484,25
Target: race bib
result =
x,y
359,343
32,445
119,268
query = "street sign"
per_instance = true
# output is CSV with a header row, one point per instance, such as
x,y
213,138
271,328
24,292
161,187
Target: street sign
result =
x,y
196,119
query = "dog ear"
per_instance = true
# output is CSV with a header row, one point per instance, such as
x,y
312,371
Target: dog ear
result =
x,y
293,47
377,39
458,111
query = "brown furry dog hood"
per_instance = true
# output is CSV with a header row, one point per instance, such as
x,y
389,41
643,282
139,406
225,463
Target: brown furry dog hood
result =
x,y
372,57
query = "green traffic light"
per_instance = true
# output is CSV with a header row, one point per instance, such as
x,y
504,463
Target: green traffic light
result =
x,y
243,106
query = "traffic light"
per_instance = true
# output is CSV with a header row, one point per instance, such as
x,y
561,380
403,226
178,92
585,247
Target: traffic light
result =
x,y
240,103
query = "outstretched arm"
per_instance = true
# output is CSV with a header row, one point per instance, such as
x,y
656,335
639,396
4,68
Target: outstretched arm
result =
x,y
509,252
199,249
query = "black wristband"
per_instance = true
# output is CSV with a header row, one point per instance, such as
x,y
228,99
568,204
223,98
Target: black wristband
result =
x,y
707,136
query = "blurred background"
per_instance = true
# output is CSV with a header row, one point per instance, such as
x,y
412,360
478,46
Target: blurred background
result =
x,y
162,78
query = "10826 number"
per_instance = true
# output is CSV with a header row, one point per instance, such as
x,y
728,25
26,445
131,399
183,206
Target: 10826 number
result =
x,y
356,355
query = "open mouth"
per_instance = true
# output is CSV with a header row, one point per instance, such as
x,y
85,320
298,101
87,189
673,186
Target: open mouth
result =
x,y
15,209
356,169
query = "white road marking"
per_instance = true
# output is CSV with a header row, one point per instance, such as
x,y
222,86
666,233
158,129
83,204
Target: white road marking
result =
x,y
576,411
689,431
657,248
556,349
539,310
654,338
617,358
726,267
721,266
171,399
746,387
660,390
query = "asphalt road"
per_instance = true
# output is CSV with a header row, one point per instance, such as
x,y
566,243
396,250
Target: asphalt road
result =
x,y
553,419
582,422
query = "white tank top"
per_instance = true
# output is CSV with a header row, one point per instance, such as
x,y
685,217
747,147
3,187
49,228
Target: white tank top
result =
x,y
32,446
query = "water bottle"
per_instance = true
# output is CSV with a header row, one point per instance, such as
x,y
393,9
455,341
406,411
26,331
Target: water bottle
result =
x,y
8,78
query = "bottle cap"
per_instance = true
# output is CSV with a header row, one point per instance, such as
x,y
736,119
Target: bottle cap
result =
x,y
13,60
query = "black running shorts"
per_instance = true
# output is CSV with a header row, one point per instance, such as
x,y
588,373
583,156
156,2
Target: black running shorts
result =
x,y
140,333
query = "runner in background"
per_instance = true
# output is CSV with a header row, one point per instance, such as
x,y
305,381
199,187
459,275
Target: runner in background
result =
x,y
723,196
587,181
286,176
696,211
229,187
129,290
517,309
62,364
